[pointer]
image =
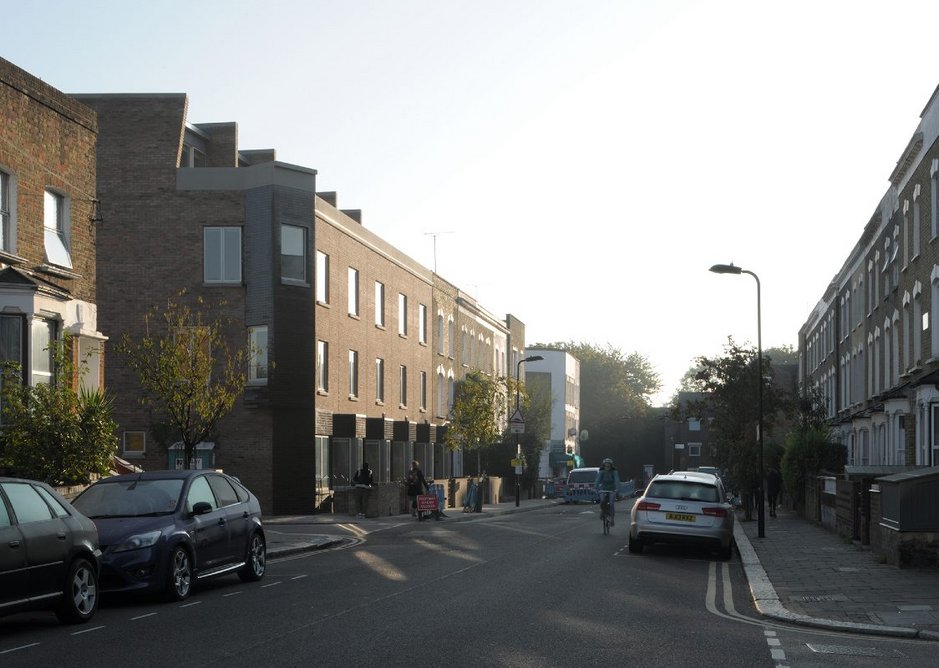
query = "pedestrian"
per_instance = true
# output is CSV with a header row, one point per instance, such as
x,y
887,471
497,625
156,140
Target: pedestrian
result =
x,y
363,481
416,484
773,484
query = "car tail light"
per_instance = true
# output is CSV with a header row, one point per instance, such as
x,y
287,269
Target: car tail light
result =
x,y
715,512
648,505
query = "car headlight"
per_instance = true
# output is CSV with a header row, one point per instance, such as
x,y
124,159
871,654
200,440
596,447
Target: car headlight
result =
x,y
138,541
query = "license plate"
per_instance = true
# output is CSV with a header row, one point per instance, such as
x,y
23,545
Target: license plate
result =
x,y
679,517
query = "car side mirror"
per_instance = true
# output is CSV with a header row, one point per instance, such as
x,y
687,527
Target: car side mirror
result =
x,y
201,508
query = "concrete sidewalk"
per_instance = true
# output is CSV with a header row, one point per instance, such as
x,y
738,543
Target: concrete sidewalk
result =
x,y
802,573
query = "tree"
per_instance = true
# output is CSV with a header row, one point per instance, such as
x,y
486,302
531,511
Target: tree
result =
x,y
535,405
809,449
731,385
614,388
190,373
50,431
478,404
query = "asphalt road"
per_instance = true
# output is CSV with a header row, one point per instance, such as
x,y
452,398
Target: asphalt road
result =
x,y
533,589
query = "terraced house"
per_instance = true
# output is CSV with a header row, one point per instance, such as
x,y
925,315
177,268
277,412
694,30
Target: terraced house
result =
x,y
360,344
48,219
871,345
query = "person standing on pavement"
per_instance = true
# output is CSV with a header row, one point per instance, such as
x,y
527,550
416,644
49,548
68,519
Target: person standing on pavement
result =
x,y
416,484
363,481
607,482
773,485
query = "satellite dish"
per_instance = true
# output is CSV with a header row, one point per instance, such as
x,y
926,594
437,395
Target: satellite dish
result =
x,y
584,435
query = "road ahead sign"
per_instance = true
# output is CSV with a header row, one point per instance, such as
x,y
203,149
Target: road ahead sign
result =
x,y
517,423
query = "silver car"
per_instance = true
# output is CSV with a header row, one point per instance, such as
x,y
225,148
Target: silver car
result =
x,y
683,507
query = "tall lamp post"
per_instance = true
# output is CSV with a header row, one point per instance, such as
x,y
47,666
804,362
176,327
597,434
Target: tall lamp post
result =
x,y
731,269
518,451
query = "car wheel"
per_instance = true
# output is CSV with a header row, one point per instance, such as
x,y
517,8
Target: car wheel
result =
x,y
256,562
80,594
635,545
727,552
179,582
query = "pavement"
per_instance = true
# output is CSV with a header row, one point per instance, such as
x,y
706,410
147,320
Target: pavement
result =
x,y
799,572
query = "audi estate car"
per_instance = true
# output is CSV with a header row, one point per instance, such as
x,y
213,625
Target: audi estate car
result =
x,y
163,531
683,507
49,556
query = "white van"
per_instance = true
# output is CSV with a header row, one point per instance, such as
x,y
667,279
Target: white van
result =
x,y
581,485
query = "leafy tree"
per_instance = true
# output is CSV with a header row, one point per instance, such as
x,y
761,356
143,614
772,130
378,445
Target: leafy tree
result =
x,y
809,449
189,371
50,431
732,384
782,355
478,404
535,404
613,388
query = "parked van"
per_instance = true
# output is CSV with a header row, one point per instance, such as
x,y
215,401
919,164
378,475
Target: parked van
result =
x,y
581,485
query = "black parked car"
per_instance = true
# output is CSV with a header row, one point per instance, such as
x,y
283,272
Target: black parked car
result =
x,y
49,556
161,531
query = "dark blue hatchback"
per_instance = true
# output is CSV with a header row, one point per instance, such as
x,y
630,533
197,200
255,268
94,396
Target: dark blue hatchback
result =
x,y
162,531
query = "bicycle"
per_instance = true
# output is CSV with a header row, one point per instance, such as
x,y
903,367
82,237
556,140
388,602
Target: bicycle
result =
x,y
605,515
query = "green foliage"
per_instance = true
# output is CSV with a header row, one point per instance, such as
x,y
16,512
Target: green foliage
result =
x,y
190,373
52,433
478,404
613,388
535,404
731,384
809,449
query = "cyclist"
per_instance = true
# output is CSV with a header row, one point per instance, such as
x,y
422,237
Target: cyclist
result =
x,y
607,484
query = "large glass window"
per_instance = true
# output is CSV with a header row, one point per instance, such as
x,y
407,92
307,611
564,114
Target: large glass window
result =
x,y
11,339
41,351
257,368
55,234
27,504
222,254
293,253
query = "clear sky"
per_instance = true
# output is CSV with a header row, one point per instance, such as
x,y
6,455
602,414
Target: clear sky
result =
x,y
582,164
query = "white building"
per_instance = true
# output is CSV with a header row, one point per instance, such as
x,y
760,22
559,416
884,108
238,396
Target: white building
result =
x,y
562,371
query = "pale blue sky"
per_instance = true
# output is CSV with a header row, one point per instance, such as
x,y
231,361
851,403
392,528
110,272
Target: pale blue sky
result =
x,y
588,161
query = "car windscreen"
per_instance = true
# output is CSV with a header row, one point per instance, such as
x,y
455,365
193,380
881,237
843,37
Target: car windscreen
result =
x,y
582,476
130,498
685,490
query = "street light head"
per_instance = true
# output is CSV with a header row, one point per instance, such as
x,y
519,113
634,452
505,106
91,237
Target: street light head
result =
x,y
726,269
533,358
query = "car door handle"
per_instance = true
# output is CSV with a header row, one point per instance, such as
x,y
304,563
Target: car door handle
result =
x,y
61,536
221,521
14,544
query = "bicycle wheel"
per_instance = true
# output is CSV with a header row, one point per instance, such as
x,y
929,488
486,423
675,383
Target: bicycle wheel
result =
x,y
606,524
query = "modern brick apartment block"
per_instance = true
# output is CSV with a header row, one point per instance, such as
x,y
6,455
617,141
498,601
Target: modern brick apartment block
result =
x,y
871,345
346,320
48,221
183,209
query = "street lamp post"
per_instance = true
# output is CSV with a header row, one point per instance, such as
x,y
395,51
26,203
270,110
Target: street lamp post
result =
x,y
518,450
731,269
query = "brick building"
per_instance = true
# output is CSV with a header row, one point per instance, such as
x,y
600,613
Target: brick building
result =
x,y
359,340
48,217
871,345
